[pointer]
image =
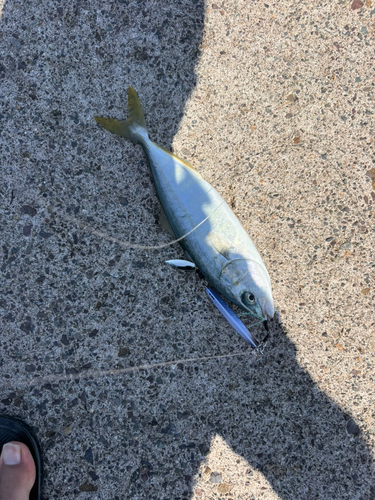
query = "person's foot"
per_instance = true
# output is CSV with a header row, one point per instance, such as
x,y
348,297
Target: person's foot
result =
x,y
17,472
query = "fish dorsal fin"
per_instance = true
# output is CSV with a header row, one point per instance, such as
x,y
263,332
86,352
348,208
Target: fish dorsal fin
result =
x,y
165,222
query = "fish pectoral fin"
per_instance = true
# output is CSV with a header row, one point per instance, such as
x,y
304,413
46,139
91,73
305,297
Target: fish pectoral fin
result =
x,y
165,222
222,245
185,265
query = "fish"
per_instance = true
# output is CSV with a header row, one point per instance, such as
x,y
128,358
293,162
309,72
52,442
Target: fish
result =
x,y
196,215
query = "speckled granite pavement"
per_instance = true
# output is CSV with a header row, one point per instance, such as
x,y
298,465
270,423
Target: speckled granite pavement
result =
x,y
274,104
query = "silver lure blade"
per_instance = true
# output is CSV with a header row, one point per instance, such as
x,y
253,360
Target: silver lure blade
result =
x,y
181,264
232,318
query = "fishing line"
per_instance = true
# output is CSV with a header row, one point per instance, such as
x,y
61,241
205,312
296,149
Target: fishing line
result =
x,y
128,244
94,374
112,372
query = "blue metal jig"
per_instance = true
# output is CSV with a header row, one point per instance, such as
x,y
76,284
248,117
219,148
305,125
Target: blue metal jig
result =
x,y
232,318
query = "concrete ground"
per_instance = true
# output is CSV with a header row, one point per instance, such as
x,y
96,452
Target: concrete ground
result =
x,y
274,104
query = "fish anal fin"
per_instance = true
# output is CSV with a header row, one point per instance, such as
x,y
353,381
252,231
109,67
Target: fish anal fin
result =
x,y
165,222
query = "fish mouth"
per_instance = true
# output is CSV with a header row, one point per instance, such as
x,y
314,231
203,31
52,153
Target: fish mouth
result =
x,y
266,307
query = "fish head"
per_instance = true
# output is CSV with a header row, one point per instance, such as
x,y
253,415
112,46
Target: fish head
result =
x,y
247,284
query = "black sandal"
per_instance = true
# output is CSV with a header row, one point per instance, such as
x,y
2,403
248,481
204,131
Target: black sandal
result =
x,y
13,429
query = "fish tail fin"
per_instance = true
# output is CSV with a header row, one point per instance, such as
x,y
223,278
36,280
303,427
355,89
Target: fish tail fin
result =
x,y
134,128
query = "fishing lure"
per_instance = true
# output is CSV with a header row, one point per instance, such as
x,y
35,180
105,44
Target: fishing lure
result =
x,y
232,318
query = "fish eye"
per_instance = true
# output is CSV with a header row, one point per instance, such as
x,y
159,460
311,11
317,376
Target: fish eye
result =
x,y
248,298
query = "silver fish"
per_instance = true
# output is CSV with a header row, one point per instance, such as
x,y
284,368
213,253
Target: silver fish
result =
x,y
212,236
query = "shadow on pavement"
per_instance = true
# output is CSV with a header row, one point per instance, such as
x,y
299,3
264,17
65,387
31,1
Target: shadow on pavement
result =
x,y
288,429
59,64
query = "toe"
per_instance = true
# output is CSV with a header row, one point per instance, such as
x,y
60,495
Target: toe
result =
x,y
17,471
